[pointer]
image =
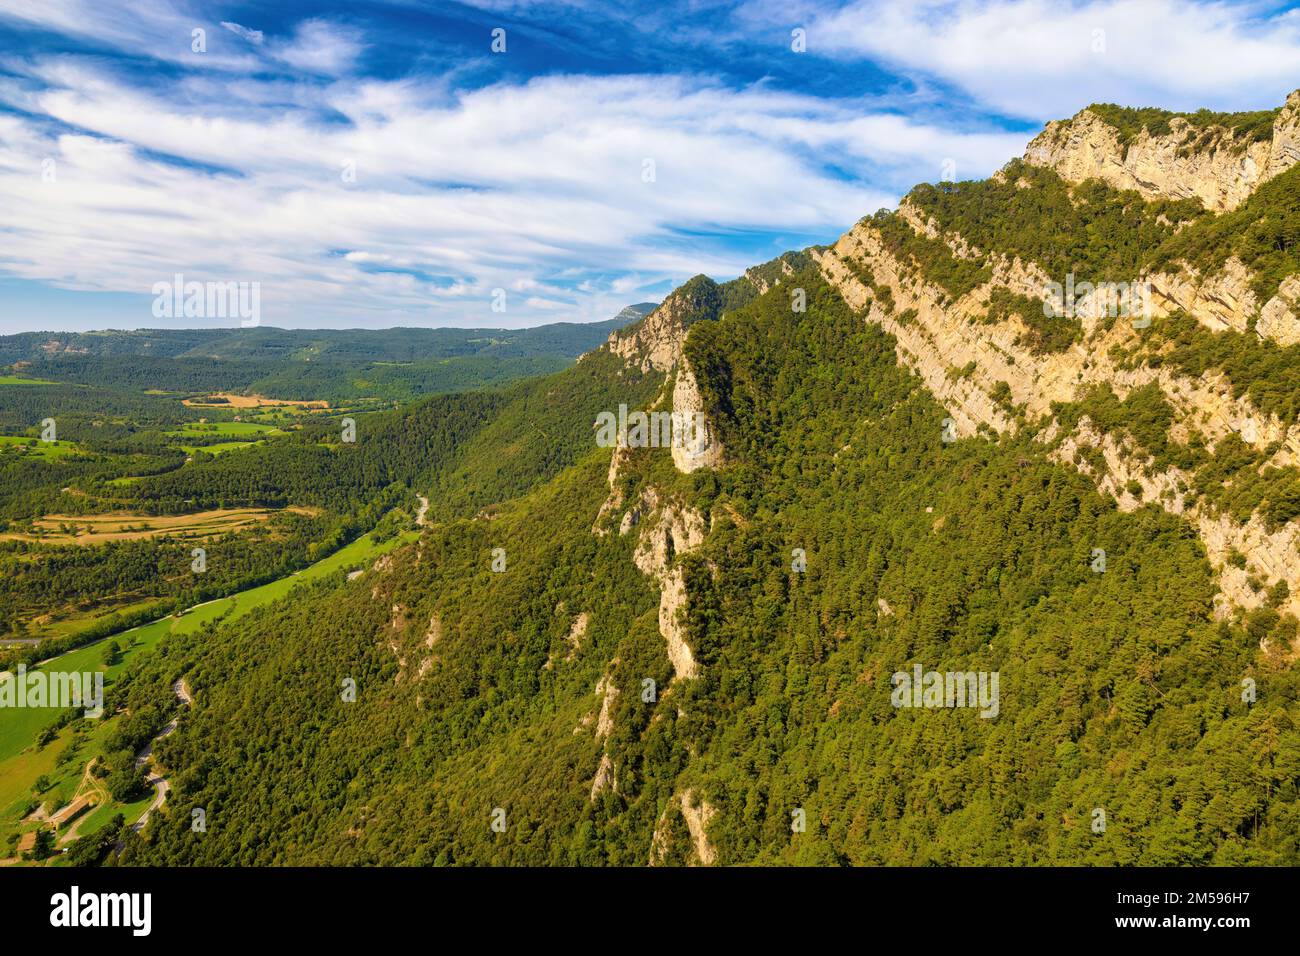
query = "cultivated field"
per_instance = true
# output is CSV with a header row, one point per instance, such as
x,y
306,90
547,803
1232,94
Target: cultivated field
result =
x,y
248,401
125,526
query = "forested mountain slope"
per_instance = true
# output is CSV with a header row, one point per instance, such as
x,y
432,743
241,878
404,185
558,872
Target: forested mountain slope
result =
x,y
646,656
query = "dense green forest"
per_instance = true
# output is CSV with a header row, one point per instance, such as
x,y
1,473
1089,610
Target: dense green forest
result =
x,y
1247,127
482,447
1120,691
512,664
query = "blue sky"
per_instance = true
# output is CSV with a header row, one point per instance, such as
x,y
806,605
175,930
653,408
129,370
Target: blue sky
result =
x,y
379,164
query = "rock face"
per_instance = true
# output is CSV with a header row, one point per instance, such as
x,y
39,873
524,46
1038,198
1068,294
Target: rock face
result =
x,y
1278,319
607,691
656,342
697,816
700,447
965,361
672,602
1223,301
1170,165
679,530
605,777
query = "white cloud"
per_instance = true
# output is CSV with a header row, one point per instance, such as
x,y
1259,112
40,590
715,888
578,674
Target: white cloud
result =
x,y
160,29
320,47
535,187
252,36
1045,59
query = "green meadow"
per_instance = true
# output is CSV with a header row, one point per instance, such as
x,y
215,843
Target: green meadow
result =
x,y
220,448
224,429
15,380
33,446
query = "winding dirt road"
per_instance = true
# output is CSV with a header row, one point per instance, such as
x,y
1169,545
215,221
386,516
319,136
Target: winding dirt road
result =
x,y
160,784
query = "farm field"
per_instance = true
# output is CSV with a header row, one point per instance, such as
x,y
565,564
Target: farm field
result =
x,y
21,763
120,526
17,380
249,401
220,448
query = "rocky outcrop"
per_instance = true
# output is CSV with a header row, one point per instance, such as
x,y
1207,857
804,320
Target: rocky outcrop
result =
x,y
699,446
607,691
1279,319
678,530
963,358
1126,476
605,778
1222,301
697,817
577,631
1270,556
672,605
656,341
614,500
1215,166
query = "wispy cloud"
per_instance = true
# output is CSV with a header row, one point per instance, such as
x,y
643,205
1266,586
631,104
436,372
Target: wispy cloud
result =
x,y
403,201
252,36
320,47
379,165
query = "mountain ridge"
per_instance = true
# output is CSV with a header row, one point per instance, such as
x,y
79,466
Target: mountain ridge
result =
x,y
910,463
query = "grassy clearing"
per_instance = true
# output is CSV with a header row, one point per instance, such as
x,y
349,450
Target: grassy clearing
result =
x,y
15,380
24,445
220,448
69,619
232,429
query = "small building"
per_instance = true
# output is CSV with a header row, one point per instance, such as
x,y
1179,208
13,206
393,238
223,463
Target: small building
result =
x,y
73,810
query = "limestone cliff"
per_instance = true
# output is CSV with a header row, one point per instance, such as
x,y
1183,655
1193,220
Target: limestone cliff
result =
x,y
656,341
1215,164
986,378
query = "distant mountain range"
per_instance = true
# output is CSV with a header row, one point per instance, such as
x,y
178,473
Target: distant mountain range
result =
x,y
569,339
334,365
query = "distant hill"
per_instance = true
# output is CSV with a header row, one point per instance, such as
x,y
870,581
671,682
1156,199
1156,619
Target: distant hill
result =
x,y
568,339
330,364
